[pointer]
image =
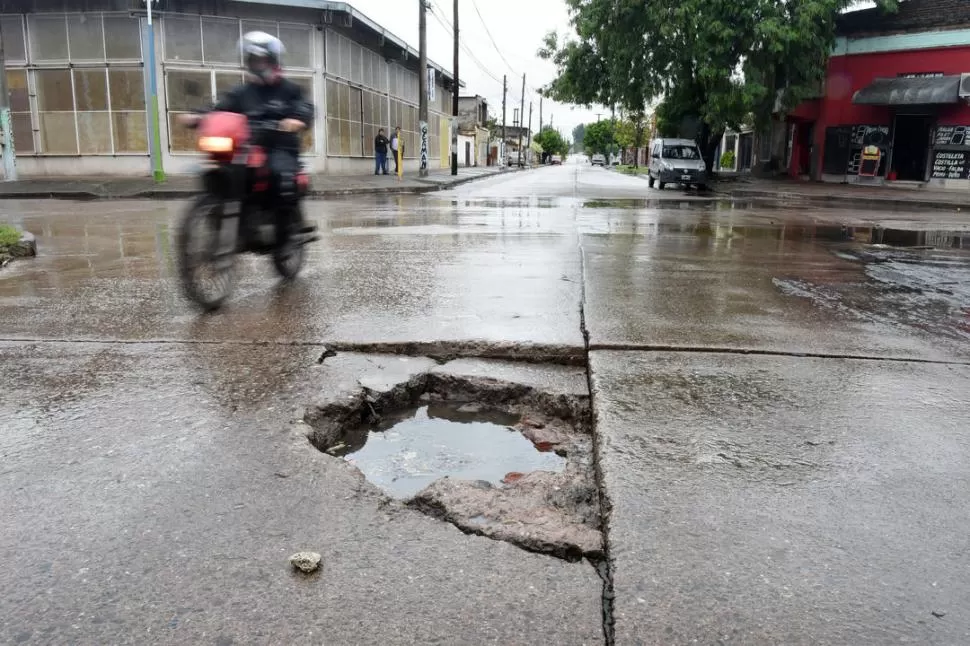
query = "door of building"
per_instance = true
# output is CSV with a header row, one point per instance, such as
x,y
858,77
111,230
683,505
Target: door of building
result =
x,y
468,153
911,146
746,149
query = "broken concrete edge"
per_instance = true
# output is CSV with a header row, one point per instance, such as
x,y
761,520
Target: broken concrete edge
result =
x,y
161,193
445,351
606,565
840,199
576,534
26,247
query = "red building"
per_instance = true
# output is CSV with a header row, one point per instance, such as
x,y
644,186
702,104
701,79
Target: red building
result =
x,y
897,91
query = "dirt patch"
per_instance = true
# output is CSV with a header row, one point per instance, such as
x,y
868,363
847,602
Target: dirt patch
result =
x,y
542,511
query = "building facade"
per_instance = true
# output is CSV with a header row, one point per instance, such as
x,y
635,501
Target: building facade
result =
x,y
473,145
78,80
895,102
741,146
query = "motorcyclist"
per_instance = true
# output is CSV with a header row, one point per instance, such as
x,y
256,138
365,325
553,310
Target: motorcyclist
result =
x,y
268,95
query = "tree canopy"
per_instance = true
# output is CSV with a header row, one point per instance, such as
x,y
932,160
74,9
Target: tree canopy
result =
x,y
552,141
578,133
713,63
598,138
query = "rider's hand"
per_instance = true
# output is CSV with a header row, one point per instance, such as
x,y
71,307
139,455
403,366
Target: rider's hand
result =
x,y
189,119
292,125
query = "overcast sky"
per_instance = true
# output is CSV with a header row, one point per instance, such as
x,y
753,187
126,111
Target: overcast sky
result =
x,y
517,26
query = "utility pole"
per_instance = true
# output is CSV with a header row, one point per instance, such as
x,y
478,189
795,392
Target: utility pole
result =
x,y
530,126
6,124
540,113
612,132
423,85
154,131
454,103
505,90
522,113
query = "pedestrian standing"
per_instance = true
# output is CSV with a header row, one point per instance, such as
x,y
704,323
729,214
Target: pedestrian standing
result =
x,y
397,148
380,153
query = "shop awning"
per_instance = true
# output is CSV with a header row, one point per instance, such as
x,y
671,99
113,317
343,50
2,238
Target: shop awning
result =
x,y
910,91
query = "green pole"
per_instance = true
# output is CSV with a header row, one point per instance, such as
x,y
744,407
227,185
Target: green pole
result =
x,y
154,132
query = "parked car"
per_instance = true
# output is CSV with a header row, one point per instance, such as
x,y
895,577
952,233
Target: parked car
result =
x,y
676,161
556,160
512,159
598,160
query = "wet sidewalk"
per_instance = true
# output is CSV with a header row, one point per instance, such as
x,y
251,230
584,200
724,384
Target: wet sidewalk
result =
x,y
183,186
888,196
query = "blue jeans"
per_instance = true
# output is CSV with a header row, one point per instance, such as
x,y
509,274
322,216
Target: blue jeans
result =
x,y
381,165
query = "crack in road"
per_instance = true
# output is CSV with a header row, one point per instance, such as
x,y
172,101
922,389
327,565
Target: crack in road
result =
x,y
444,351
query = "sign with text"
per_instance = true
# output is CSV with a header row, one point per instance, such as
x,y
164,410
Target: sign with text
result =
x,y
952,136
866,135
948,164
424,144
431,85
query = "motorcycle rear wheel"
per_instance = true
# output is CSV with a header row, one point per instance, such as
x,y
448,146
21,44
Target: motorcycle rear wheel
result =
x,y
207,274
288,259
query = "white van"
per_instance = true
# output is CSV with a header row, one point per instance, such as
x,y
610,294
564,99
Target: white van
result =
x,y
676,161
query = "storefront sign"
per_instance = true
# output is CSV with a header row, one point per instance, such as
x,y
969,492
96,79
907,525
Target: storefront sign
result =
x,y
952,136
870,136
951,164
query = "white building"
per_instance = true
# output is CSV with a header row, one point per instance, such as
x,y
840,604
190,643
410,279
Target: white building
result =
x,y
78,81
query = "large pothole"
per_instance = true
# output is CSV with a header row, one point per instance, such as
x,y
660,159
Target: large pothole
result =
x,y
494,458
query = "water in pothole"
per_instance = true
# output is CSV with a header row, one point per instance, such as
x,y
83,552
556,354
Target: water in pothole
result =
x,y
405,453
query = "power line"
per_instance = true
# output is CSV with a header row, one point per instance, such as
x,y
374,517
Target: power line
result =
x,y
446,25
494,44
442,18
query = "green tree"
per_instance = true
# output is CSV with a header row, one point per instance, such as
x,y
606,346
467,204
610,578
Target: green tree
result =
x,y
714,63
598,138
552,141
578,133
630,133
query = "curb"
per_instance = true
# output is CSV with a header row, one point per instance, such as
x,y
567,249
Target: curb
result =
x,y
26,247
179,194
888,202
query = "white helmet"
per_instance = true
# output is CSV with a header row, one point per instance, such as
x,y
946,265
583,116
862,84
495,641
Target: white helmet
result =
x,y
262,54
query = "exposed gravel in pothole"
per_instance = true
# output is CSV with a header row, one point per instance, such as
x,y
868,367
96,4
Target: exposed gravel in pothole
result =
x,y
533,485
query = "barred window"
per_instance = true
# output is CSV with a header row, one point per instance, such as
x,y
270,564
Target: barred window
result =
x,y
14,46
23,129
344,119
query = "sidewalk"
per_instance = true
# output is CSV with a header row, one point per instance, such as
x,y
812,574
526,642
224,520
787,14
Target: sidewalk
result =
x,y
183,186
894,197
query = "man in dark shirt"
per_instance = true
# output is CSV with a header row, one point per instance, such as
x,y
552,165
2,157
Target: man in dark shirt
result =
x,y
380,152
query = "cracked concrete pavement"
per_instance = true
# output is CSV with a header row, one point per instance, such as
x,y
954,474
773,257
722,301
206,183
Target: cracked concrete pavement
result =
x,y
158,478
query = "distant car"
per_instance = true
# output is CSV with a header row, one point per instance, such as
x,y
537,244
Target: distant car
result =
x,y
556,160
598,160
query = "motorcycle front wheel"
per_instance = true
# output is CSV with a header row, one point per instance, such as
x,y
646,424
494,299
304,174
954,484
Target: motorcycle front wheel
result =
x,y
206,262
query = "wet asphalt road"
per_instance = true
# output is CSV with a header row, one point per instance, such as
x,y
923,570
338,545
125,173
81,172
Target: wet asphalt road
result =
x,y
781,413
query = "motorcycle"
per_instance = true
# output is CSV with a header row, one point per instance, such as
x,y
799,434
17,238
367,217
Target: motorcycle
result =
x,y
237,211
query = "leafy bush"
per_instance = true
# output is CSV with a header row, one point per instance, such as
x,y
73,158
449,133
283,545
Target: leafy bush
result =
x,y
727,159
9,236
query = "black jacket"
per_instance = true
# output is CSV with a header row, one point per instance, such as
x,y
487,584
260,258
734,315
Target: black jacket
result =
x,y
380,143
283,100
